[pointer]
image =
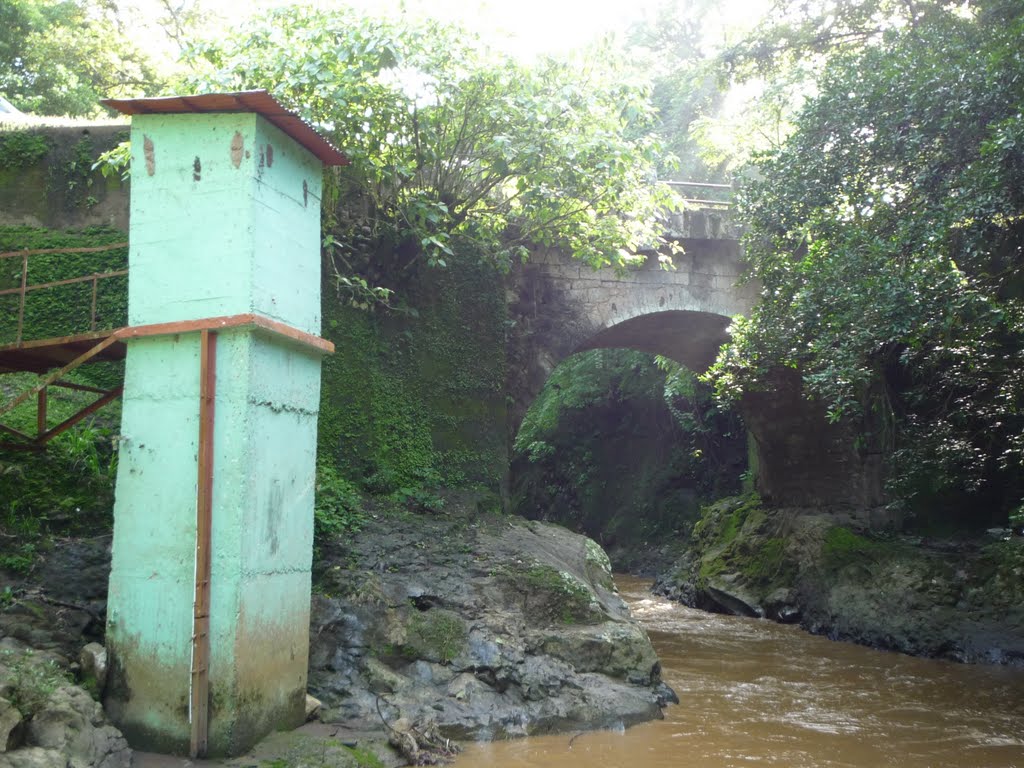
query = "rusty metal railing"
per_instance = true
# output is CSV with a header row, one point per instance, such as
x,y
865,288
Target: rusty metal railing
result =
x,y
680,186
64,352
26,287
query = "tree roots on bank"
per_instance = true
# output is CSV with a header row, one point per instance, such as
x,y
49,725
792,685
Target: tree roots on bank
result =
x,y
419,743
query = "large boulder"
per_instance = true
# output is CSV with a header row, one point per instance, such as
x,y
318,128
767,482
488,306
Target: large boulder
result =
x,y
961,598
72,723
487,627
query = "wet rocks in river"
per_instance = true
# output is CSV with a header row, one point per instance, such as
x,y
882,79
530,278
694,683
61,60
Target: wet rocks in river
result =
x,y
487,628
482,627
959,599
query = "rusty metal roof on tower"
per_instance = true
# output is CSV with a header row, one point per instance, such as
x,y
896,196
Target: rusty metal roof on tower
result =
x,y
260,102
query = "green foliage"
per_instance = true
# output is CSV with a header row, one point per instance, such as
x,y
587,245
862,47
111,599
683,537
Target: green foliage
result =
x,y
115,162
60,57
18,559
69,489
605,416
31,680
419,498
583,380
77,173
338,507
688,90
21,149
451,145
887,233
793,33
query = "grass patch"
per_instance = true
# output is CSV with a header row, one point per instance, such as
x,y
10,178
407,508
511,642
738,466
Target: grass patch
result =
x,y
435,635
31,680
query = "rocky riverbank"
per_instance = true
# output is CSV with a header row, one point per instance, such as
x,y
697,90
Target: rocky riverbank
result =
x,y
437,625
960,599
487,625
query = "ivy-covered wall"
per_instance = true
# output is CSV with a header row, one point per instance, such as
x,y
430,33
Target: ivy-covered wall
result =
x,y
63,309
47,180
416,398
69,487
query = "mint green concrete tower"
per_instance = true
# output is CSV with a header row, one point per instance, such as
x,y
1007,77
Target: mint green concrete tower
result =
x,y
208,609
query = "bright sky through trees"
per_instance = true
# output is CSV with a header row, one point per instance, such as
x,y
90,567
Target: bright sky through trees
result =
x,y
525,28
530,27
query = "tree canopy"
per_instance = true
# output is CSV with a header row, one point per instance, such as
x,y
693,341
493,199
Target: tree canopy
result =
x,y
60,57
887,233
453,146
885,216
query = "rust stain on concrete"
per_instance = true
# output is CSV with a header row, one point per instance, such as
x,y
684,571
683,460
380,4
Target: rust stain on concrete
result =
x,y
237,149
150,154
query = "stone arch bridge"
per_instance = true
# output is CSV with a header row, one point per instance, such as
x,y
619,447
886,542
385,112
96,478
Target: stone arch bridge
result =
x,y
560,306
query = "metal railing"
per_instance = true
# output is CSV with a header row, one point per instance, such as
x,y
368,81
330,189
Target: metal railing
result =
x,y
703,185
26,287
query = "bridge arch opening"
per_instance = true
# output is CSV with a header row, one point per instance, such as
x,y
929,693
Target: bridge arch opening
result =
x,y
624,449
689,337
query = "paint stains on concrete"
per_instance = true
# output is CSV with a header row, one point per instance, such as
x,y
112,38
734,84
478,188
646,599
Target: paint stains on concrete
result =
x,y
237,149
273,518
149,153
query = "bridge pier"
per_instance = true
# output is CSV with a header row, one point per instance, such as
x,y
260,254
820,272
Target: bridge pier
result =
x,y
208,608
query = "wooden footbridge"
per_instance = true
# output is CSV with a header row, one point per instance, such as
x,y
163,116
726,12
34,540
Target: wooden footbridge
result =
x,y
56,357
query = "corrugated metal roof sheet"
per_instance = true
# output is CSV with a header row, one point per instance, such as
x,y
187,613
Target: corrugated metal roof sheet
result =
x,y
260,102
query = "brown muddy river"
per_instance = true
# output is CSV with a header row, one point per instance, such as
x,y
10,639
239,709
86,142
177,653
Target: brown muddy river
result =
x,y
755,693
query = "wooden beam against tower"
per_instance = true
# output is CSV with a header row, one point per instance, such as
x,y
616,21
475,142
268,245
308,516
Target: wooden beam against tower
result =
x,y
199,704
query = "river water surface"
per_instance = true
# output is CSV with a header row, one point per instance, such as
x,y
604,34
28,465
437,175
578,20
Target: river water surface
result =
x,y
755,693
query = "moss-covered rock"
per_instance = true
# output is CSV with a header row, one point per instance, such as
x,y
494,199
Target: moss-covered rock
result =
x,y
437,636
490,626
961,599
